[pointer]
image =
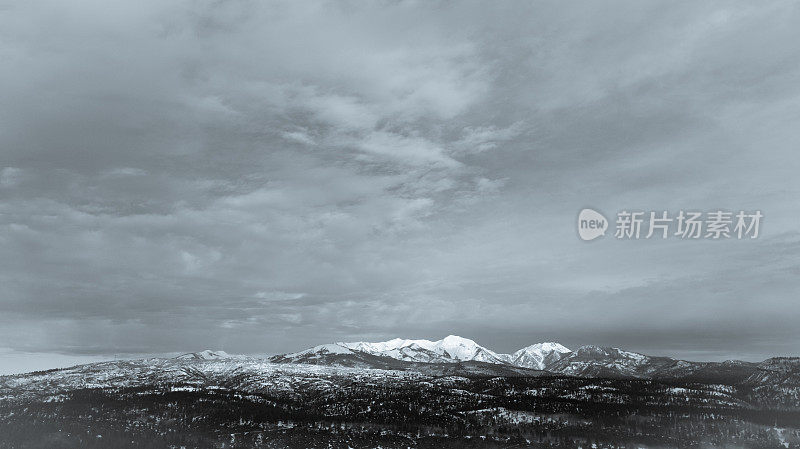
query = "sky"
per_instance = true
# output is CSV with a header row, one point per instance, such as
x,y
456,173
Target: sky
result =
x,y
261,177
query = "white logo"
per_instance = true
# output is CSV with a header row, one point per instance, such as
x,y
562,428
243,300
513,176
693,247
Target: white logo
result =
x,y
591,224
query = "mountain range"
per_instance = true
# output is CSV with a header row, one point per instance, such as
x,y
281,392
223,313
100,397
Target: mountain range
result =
x,y
553,358
451,349
405,393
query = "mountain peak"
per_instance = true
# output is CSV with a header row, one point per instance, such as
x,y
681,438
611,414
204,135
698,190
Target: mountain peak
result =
x,y
539,355
464,349
456,340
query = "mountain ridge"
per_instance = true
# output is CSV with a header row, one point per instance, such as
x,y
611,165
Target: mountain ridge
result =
x,y
450,349
548,357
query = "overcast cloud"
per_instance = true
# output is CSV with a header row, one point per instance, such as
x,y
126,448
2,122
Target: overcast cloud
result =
x,y
261,177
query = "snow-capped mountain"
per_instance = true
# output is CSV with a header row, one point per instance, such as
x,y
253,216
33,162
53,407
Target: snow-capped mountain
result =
x,y
451,349
539,356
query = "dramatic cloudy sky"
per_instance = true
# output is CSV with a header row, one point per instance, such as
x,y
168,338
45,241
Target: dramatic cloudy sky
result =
x,y
260,177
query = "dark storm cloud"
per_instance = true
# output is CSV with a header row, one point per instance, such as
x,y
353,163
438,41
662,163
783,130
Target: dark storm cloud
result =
x,y
261,177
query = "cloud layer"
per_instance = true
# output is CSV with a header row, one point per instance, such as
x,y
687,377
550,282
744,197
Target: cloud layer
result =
x,y
263,176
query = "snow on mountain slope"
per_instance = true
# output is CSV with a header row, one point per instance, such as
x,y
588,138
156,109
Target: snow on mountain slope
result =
x,y
403,349
597,361
322,354
239,373
334,348
204,355
392,344
540,355
450,349
415,353
465,349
